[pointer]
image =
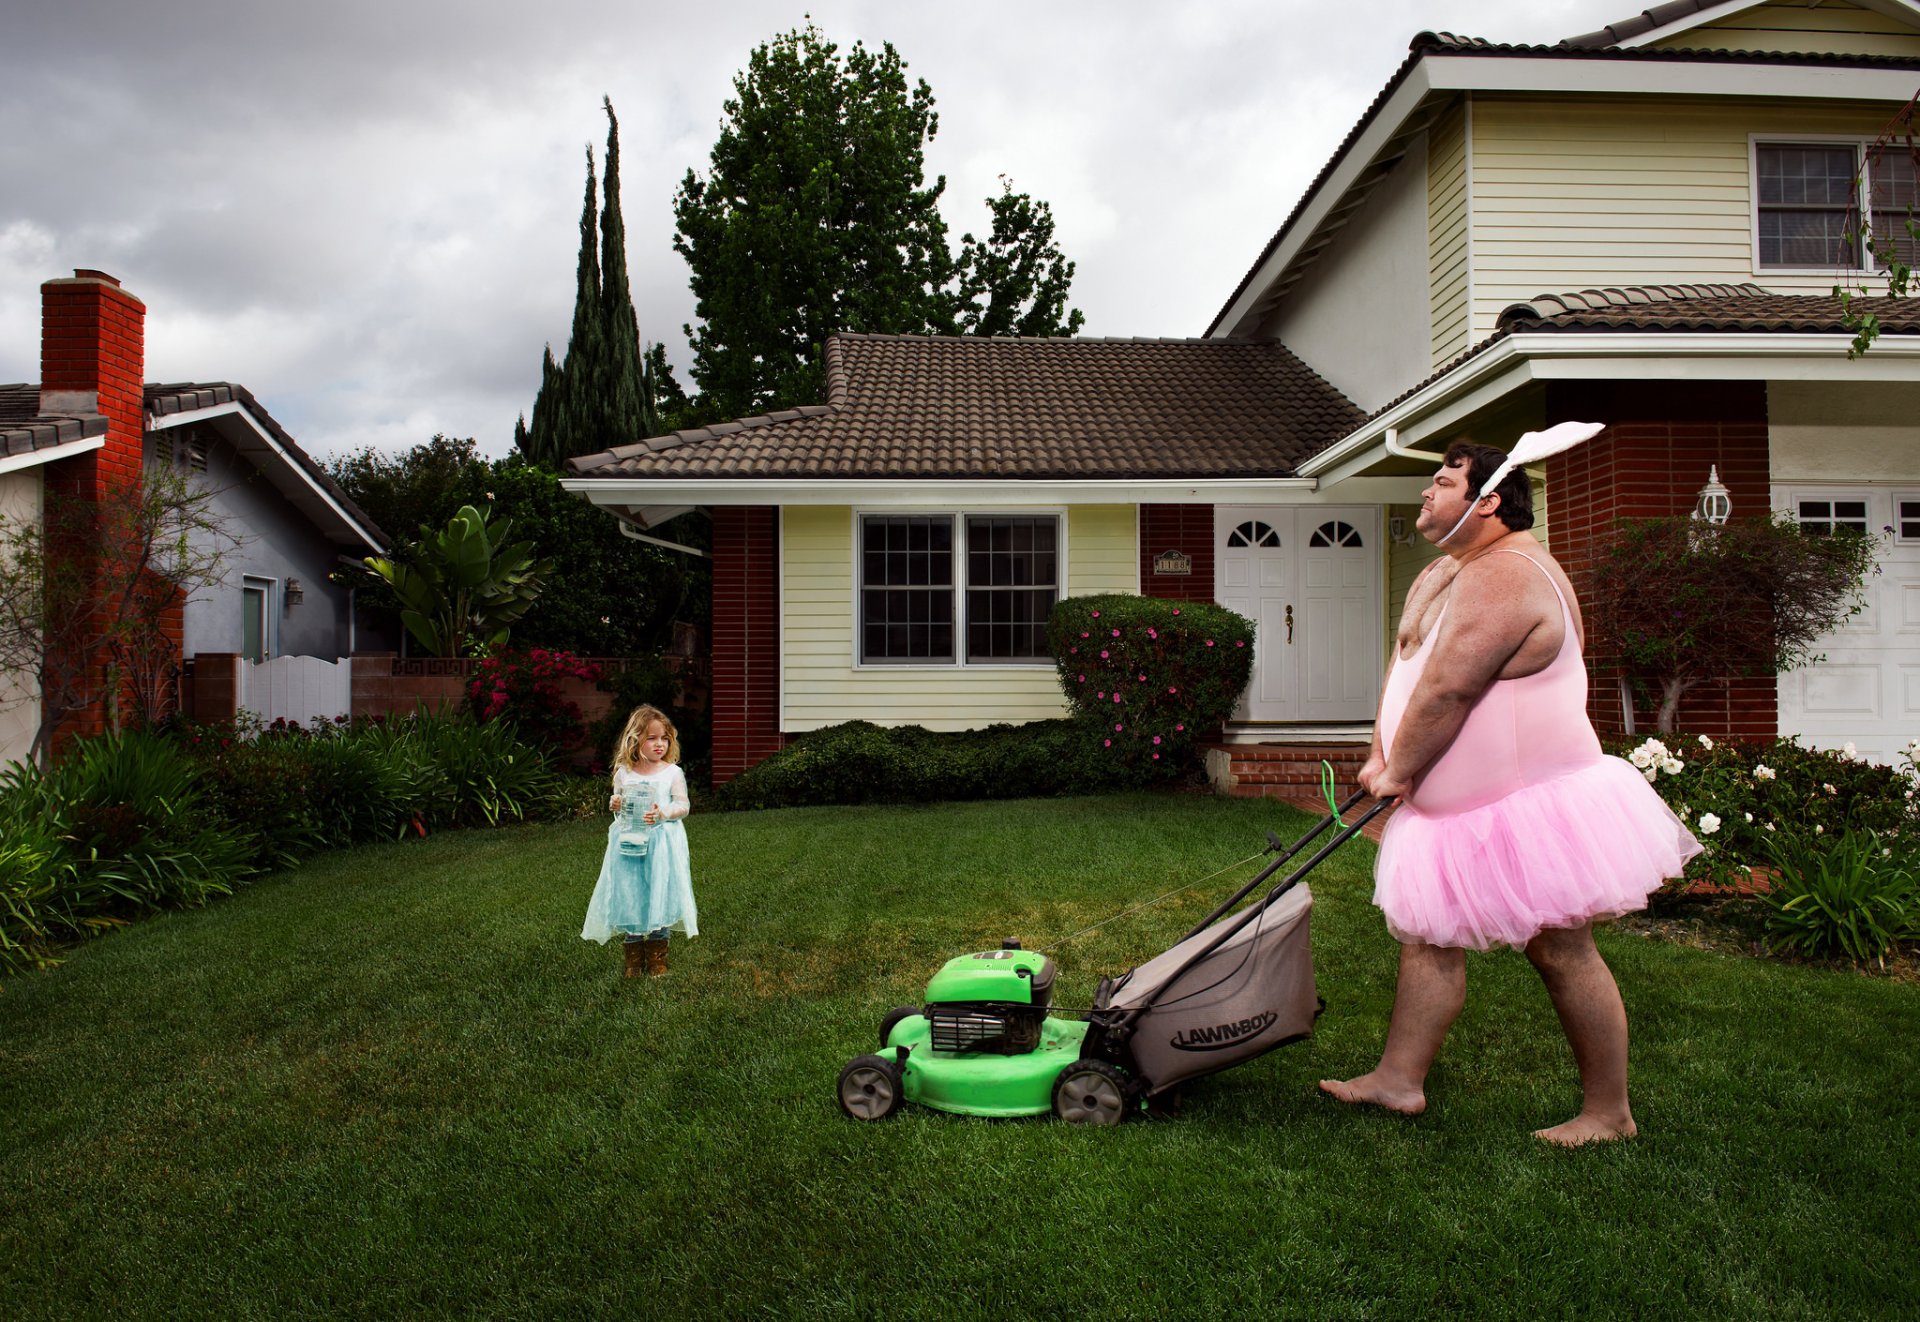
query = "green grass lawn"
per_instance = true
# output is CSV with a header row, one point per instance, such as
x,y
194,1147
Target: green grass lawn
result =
x,y
395,1081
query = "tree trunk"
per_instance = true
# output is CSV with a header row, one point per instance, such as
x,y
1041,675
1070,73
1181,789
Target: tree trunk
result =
x,y
1670,690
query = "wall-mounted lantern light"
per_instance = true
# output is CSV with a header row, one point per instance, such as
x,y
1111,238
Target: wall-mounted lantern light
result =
x,y
295,593
1715,504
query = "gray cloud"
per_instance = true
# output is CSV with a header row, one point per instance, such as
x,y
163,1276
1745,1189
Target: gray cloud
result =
x,y
367,212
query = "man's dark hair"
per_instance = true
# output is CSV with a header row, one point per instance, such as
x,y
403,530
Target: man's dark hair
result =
x,y
1515,492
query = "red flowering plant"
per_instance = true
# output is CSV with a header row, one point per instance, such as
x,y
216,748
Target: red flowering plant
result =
x,y
524,689
1147,675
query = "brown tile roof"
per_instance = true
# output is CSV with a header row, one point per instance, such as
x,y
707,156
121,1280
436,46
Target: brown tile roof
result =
x,y
1704,308
24,428
1680,309
1449,44
1647,20
904,406
187,396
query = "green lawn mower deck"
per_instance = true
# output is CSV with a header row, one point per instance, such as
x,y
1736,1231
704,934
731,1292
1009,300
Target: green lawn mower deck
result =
x,y
984,1044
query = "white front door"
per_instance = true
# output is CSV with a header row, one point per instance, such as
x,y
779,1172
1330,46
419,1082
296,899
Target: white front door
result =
x,y
1866,688
1309,579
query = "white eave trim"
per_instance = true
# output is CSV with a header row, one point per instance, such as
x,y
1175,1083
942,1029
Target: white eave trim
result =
x,y
1610,355
234,408
1448,72
643,491
13,463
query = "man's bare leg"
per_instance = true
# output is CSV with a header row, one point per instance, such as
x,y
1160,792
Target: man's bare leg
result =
x,y
1587,1000
1432,988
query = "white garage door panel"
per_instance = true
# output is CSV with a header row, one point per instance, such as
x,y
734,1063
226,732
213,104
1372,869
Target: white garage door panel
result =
x,y
1866,692
1828,690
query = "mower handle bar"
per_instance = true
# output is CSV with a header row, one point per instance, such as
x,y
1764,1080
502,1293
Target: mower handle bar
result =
x,y
1278,863
1254,910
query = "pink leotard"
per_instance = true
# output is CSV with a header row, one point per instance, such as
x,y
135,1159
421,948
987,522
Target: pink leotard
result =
x,y
1519,732
1521,823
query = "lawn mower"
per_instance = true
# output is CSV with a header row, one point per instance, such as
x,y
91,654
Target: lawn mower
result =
x,y
990,1042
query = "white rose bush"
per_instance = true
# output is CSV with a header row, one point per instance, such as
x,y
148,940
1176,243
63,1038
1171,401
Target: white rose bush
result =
x,y
1834,838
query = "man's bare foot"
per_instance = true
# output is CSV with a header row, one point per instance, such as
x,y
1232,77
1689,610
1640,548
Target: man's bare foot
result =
x,y
1584,1129
1370,1091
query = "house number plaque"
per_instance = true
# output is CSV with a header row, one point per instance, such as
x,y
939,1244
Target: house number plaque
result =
x,y
1173,562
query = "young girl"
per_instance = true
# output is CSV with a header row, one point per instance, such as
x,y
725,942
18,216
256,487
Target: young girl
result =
x,y
643,894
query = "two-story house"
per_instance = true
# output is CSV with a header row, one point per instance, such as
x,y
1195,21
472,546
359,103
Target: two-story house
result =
x,y
1641,226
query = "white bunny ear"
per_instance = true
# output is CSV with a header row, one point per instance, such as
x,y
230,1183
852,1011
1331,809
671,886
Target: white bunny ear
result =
x,y
1537,445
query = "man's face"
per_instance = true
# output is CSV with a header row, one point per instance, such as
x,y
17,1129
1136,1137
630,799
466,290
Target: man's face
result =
x,y
1443,502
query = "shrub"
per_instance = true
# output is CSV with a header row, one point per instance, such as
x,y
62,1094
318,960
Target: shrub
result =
x,y
460,772
123,828
1849,894
646,680
862,763
1145,677
524,689
1740,797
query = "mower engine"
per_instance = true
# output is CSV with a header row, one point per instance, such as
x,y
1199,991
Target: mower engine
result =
x,y
994,1001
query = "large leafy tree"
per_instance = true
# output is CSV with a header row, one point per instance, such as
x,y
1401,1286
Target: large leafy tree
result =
x,y
605,391
1015,281
618,597
815,216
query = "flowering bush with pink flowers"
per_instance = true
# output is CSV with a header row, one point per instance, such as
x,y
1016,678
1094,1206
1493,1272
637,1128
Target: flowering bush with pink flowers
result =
x,y
1146,676
524,689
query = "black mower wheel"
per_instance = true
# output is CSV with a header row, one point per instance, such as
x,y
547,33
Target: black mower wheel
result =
x,y
1090,1092
870,1088
891,1020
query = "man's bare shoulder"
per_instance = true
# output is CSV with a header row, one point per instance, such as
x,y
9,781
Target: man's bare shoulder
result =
x,y
1510,585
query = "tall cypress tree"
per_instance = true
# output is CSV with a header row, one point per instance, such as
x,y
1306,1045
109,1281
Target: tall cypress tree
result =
x,y
597,396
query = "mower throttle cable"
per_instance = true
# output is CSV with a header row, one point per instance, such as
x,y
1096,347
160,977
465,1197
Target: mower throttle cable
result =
x,y
1150,903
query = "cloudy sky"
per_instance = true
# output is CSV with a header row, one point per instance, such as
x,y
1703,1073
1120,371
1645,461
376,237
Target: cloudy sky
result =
x,y
367,212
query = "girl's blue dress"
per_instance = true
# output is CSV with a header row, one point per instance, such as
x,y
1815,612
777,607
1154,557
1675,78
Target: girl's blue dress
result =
x,y
637,895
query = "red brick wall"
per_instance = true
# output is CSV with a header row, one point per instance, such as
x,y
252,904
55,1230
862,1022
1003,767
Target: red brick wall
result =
x,y
1652,460
746,638
1187,528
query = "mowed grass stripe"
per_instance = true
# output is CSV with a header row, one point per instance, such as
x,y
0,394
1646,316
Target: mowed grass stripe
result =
x,y
396,1081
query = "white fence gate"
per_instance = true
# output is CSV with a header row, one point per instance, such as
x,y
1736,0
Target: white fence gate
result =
x,y
299,688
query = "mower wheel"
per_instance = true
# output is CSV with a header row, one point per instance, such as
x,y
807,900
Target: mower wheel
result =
x,y
892,1019
1090,1092
870,1088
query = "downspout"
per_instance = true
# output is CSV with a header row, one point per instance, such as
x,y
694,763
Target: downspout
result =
x,y
628,530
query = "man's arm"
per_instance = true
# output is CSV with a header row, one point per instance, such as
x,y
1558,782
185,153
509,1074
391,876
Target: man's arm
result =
x,y
1492,611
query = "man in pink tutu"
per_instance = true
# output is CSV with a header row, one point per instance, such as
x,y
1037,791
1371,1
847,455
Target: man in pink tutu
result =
x,y
1513,828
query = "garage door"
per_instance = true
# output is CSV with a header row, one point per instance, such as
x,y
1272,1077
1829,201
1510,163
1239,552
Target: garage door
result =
x,y
1866,690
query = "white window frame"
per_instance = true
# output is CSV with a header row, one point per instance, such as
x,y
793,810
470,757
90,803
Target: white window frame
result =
x,y
1755,141
960,515
1895,496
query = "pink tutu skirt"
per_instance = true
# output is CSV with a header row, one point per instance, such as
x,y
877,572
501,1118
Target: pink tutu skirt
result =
x,y
1592,843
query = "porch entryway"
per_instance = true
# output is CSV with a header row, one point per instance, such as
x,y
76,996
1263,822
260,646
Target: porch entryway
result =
x,y
1309,577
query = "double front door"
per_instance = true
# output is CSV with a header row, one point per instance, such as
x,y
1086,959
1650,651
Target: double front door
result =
x,y
1309,577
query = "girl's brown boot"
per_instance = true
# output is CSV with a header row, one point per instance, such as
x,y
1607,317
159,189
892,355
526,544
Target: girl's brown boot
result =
x,y
637,958
657,956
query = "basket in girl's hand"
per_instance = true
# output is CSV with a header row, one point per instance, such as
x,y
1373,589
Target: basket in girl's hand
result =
x,y
636,837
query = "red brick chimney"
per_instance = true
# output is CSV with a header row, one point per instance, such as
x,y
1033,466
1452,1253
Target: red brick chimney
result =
x,y
92,358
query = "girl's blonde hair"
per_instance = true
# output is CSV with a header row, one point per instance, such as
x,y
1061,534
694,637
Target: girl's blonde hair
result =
x,y
627,752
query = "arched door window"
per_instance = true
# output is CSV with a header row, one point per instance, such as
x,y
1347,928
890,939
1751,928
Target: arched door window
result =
x,y
1253,533
1336,533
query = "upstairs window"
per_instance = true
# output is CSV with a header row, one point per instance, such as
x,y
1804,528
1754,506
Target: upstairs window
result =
x,y
1805,200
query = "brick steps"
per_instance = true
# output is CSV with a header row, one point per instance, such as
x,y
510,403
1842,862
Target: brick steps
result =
x,y
1280,770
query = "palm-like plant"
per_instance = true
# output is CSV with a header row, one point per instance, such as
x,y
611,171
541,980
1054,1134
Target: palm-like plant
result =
x,y
464,584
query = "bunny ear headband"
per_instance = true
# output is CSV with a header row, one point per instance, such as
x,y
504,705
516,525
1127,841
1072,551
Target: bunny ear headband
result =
x,y
1530,448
